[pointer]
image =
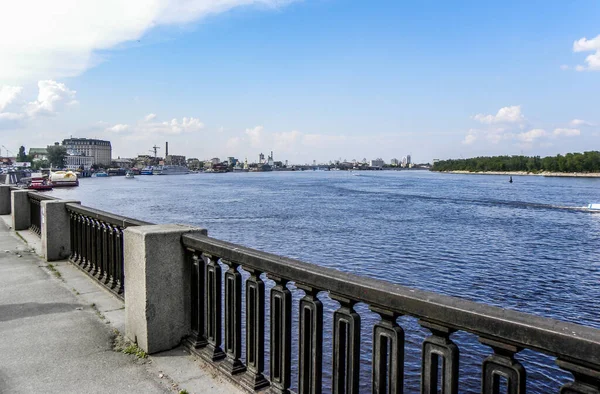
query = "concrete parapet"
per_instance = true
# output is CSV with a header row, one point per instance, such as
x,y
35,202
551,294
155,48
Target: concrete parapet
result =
x,y
157,288
20,210
4,199
55,229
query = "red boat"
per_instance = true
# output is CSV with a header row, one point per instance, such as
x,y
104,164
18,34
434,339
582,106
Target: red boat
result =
x,y
40,184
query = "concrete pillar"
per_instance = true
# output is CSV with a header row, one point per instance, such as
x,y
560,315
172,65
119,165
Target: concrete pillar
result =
x,y
56,229
4,199
157,288
20,211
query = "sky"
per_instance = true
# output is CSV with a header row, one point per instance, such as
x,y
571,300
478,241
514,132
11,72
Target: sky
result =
x,y
308,79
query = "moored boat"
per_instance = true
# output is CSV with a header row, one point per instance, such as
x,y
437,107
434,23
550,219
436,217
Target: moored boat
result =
x,y
170,170
100,174
63,179
39,183
129,175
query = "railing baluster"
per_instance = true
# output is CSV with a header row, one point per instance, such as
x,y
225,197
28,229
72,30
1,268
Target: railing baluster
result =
x,y
105,252
82,260
311,341
72,229
346,346
120,261
110,247
255,332
587,380
435,347
93,242
388,353
213,351
281,336
113,266
197,338
233,320
502,364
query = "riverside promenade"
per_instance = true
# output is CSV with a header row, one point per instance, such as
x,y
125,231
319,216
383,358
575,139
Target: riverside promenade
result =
x,y
57,333
174,292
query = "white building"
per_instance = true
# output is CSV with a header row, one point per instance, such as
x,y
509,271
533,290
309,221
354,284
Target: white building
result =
x,y
394,162
377,163
100,151
74,162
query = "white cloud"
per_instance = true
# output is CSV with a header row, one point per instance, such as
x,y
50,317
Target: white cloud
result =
x,y
593,60
469,139
531,135
8,94
564,67
62,37
147,128
255,135
567,132
11,116
51,96
580,122
118,128
510,114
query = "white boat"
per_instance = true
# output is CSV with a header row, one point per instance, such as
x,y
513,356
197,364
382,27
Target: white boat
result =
x,y
129,175
170,170
64,178
594,207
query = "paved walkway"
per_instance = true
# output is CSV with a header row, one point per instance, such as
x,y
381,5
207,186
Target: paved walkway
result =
x,y
53,341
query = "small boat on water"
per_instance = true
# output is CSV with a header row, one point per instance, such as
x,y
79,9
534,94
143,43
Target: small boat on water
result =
x,y
594,207
129,175
63,179
100,174
146,171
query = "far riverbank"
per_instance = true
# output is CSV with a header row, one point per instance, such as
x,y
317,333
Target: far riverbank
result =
x,y
525,173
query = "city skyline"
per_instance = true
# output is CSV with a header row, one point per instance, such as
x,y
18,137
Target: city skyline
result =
x,y
310,80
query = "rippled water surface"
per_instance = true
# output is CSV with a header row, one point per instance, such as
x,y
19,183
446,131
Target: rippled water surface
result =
x,y
523,246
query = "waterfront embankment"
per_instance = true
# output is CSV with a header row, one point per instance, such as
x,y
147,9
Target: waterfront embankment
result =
x,y
525,173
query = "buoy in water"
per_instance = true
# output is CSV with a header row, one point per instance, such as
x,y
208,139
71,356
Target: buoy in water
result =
x,y
510,180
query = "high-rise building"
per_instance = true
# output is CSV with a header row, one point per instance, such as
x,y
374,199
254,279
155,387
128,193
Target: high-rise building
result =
x,y
99,150
408,162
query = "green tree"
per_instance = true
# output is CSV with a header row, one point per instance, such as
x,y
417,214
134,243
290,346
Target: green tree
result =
x,y
57,155
22,156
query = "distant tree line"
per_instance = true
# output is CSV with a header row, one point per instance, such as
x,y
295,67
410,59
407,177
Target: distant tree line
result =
x,y
571,162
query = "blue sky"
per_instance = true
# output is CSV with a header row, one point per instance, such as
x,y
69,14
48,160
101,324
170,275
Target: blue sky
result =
x,y
310,80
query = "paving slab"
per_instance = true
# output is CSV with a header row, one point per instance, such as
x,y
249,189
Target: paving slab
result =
x,y
57,333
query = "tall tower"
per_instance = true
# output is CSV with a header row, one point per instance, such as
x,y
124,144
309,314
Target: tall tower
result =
x,y
166,149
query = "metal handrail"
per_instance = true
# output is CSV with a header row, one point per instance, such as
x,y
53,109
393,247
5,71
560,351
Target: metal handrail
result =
x,y
545,335
104,216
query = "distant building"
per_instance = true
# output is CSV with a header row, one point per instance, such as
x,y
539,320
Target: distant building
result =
x,y
123,163
38,154
404,161
193,163
99,150
408,161
261,158
215,160
175,160
377,163
74,162
394,162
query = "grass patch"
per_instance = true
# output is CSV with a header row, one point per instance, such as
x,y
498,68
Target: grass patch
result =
x,y
122,345
20,236
54,271
184,391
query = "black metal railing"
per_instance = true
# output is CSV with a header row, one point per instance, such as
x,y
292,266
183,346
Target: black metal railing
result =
x,y
35,211
575,348
97,244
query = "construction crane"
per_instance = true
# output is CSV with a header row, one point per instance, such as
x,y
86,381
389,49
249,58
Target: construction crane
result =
x,y
154,149
8,153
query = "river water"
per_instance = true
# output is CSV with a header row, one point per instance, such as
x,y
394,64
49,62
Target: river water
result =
x,y
523,246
